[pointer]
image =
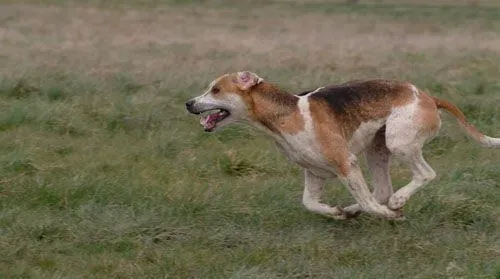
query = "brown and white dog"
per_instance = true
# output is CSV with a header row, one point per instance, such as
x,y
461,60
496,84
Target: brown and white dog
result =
x,y
324,130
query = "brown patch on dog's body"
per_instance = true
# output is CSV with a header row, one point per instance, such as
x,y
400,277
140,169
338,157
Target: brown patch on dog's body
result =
x,y
275,109
356,102
328,132
428,113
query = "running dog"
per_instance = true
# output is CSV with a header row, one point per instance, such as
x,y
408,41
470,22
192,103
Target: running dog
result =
x,y
324,131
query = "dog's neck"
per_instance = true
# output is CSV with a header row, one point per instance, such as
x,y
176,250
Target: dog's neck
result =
x,y
271,107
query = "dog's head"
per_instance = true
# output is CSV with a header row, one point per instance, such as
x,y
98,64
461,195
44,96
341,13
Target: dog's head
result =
x,y
226,100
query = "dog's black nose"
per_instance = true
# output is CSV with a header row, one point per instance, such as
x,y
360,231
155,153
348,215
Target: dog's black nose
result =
x,y
189,104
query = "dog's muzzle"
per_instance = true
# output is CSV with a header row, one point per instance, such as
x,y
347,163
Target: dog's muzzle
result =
x,y
190,107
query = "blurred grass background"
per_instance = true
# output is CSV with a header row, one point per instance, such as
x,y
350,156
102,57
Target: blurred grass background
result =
x,y
104,174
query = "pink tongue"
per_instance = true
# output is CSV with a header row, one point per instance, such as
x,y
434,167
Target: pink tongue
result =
x,y
209,121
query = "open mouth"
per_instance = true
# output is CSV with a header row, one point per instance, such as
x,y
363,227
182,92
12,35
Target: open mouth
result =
x,y
210,120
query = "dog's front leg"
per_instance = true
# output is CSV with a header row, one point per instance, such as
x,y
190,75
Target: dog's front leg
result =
x,y
313,189
378,158
356,185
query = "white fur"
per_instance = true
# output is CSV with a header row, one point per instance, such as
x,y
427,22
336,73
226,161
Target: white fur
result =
x,y
364,134
313,188
414,89
403,127
490,142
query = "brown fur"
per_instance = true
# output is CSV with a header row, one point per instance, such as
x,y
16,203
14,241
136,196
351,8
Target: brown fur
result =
x,y
329,134
275,109
428,113
356,102
462,120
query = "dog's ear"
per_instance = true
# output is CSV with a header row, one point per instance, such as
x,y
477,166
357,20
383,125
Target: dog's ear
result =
x,y
246,80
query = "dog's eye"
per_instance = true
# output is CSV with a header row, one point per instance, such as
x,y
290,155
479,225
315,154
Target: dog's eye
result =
x,y
215,90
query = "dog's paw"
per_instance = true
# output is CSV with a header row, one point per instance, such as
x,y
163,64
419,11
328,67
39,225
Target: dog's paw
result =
x,y
397,202
386,213
399,216
337,213
352,211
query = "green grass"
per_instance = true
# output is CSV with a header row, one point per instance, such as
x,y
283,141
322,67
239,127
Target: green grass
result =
x,y
103,174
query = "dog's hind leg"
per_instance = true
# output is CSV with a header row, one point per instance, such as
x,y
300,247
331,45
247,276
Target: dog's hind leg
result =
x,y
422,175
313,189
378,159
406,132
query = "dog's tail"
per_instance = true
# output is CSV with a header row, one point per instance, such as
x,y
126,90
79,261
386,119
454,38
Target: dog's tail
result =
x,y
471,130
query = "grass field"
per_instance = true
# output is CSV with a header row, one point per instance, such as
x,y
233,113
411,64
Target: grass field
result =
x,y
103,174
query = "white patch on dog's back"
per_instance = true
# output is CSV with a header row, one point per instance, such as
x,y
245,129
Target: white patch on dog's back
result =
x,y
414,89
303,105
303,147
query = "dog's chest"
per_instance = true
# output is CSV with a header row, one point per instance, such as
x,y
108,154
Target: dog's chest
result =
x,y
301,149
